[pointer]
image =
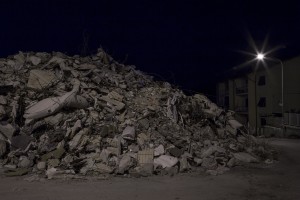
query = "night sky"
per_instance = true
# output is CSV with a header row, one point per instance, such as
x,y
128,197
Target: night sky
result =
x,y
188,43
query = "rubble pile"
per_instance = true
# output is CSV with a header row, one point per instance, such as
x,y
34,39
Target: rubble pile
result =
x,y
62,115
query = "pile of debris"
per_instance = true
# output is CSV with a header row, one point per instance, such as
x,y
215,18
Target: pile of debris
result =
x,y
92,115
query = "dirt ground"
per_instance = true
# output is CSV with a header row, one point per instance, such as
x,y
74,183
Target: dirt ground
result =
x,y
276,181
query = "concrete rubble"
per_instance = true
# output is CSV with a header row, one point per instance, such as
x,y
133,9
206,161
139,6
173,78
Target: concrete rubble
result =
x,y
63,116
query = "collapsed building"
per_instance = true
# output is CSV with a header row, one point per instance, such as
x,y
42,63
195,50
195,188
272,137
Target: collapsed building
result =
x,y
78,116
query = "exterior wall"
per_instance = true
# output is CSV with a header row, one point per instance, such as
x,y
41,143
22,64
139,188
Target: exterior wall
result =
x,y
251,102
271,114
292,84
221,90
240,99
231,94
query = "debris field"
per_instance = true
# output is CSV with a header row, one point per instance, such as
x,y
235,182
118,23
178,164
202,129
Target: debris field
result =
x,y
63,116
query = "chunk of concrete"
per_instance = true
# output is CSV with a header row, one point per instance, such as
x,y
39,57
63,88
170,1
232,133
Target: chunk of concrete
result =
x,y
198,161
165,161
184,165
125,164
160,150
41,165
118,105
40,79
231,162
53,163
35,60
57,154
102,168
55,119
245,157
24,162
129,133
16,172
7,130
77,138
209,163
211,150
234,123
50,106
142,138
78,102
104,155
115,95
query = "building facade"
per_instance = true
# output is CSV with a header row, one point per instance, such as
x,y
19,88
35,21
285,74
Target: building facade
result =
x,y
256,97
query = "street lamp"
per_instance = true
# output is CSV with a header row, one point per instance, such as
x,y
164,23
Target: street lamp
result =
x,y
261,57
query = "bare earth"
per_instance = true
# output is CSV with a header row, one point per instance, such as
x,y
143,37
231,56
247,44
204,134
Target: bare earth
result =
x,y
276,181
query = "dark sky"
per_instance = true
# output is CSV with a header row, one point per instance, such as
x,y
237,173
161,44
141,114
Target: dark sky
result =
x,y
184,42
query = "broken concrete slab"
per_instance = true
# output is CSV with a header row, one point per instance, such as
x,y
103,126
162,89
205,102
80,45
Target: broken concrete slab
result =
x,y
40,79
184,164
41,165
55,119
78,102
7,130
115,95
209,163
102,168
125,164
24,162
50,106
165,161
53,163
160,150
77,139
211,150
118,105
234,123
198,161
35,60
55,173
16,172
231,162
245,157
57,154
142,139
129,133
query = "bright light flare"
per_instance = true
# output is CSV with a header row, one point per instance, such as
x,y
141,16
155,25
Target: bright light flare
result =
x,y
256,54
260,56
